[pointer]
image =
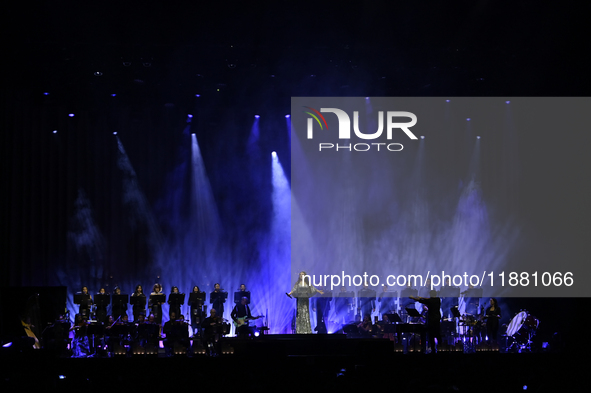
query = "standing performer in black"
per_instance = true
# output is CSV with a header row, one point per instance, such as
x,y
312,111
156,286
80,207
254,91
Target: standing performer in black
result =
x,y
343,303
101,306
433,304
493,315
367,300
139,303
174,306
118,308
387,301
217,298
85,303
156,306
242,292
212,332
196,301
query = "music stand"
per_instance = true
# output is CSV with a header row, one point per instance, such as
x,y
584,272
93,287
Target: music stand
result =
x,y
176,298
81,298
138,301
218,296
157,298
196,299
102,300
394,318
412,312
121,300
239,295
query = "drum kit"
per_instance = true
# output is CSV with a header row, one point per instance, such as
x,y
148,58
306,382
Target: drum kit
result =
x,y
521,330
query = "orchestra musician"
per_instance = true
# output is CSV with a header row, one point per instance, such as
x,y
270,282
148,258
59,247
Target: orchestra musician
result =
x,y
85,303
366,328
118,307
493,315
196,300
367,300
217,299
406,300
212,329
242,292
167,331
101,308
80,343
449,298
150,331
175,307
383,330
387,301
156,305
241,316
139,304
343,303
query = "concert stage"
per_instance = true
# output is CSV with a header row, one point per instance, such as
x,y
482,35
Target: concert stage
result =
x,y
297,361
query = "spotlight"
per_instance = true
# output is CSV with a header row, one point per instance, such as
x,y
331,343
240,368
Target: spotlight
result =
x,y
55,131
367,98
115,133
113,95
507,102
7,345
422,137
189,115
478,137
273,154
256,116
62,377
468,119
256,334
446,100
71,115
46,94
98,73
287,116
197,95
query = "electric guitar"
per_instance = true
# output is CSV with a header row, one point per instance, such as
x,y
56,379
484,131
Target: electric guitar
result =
x,y
241,321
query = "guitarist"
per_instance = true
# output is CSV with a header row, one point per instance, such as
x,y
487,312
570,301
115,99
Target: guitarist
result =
x,y
241,315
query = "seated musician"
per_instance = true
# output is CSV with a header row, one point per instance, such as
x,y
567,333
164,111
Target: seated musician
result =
x,y
177,333
241,316
167,330
382,328
150,331
80,344
366,328
211,333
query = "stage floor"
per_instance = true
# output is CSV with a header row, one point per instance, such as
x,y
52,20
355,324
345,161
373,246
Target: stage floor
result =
x,y
299,362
